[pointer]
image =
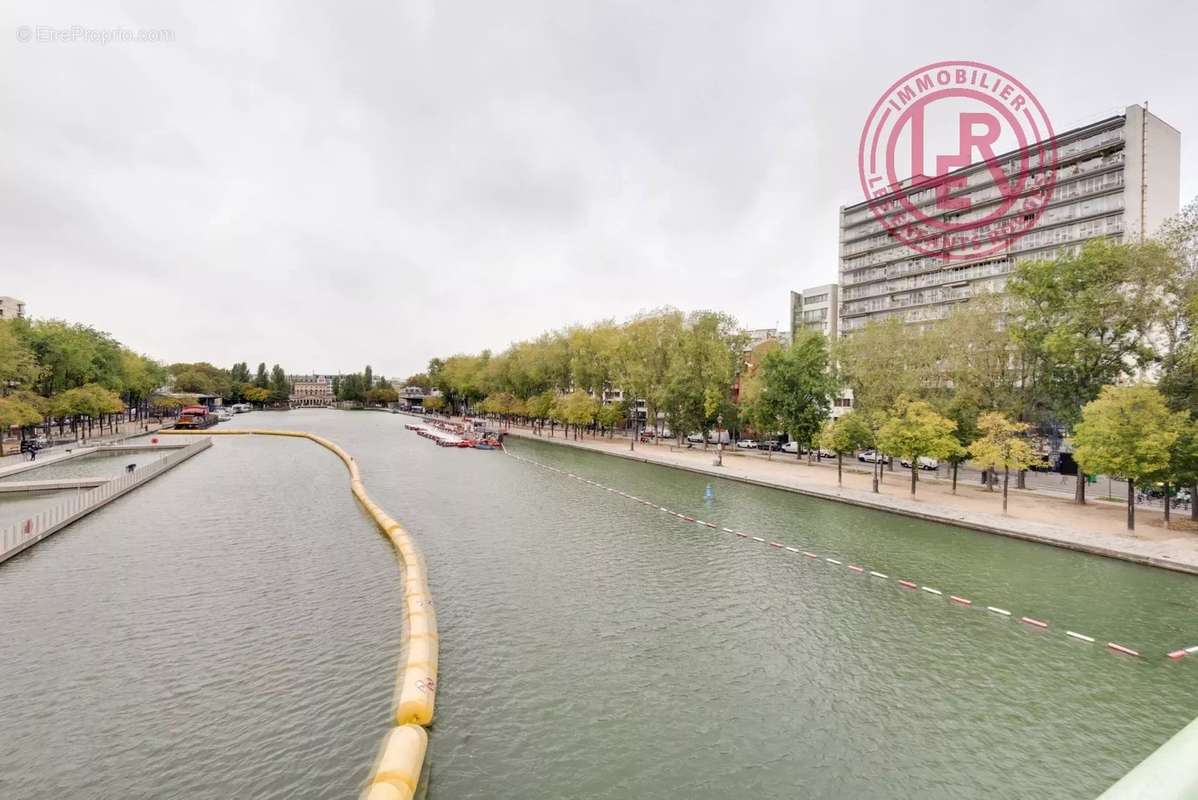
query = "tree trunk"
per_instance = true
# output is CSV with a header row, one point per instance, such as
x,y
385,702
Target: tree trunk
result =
x,y
1131,504
1194,502
1006,478
1079,492
955,465
1166,505
840,469
912,477
873,473
1021,480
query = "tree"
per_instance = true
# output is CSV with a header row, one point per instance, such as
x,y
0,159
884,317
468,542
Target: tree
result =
x,y
915,430
434,402
576,408
91,401
193,380
609,415
885,360
798,386
1081,322
1002,443
280,387
1183,465
702,363
16,413
1179,323
262,379
239,379
257,394
642,361
18,364
540,406
1130,433
368,378
382,395
847,434
973,353
420,379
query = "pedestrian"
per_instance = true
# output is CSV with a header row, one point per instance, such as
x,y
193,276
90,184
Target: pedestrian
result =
x,y
32,453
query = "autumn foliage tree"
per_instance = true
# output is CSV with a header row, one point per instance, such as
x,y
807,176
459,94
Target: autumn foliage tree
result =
x,y
1128,432
1002,444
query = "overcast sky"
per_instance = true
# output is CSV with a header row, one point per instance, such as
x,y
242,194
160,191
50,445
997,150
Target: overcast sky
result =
x,y
387,182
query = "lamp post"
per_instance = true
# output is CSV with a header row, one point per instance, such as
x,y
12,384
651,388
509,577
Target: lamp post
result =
x,y
719,440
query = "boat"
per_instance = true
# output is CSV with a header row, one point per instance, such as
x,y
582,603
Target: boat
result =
x,y
194,418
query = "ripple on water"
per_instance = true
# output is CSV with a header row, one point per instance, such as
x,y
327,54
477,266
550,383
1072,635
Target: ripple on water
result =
x,y
232,631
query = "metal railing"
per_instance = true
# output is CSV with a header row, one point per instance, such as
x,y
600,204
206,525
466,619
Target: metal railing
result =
x,y
18,536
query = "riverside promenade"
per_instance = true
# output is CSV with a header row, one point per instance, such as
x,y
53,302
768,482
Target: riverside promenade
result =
x,y
1098,527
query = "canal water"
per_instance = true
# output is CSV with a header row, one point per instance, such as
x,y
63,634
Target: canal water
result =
x,y
233,628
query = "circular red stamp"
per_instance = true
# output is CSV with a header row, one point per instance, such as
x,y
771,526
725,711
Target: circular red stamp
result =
x,y
929,167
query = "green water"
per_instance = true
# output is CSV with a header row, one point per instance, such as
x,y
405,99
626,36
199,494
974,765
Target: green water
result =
x,y
591,647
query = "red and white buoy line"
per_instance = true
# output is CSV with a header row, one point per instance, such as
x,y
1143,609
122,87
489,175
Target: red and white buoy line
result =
x,y
957,600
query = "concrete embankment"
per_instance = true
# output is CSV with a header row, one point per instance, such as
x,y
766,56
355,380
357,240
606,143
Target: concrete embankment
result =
x,y
397,769
1162,554
24,535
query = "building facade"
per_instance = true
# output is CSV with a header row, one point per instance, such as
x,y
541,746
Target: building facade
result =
x,y
311,391
817,309
1117,178
12,308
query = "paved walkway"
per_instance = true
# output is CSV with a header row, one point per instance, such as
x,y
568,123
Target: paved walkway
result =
x,y
129,430
1097,527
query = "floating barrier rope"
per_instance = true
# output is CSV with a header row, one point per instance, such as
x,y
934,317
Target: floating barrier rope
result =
x,y
1030,623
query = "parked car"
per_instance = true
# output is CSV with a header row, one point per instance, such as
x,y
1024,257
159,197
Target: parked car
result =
x,y
695,438
790,447
770,444
747,444
826,454
873,457
924,463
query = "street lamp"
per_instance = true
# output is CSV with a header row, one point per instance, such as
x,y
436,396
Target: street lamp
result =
x,y
719,440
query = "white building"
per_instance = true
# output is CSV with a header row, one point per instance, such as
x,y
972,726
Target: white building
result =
x,y
1118,178
817,308
311,391
11,308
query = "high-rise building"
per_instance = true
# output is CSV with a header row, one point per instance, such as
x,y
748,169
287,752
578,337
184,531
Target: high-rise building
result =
x,y
1118,177
817,308
11,308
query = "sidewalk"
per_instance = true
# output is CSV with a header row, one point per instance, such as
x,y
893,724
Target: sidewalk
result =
x,y
131,430
1097,527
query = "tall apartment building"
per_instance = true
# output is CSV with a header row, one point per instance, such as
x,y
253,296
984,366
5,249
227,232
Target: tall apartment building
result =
x,y
11,308
817,308
1118,178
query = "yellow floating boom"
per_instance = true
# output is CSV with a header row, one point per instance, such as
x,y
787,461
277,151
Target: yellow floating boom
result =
x,y
397,772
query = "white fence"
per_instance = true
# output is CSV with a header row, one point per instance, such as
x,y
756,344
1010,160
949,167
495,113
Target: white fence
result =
x,y
16,538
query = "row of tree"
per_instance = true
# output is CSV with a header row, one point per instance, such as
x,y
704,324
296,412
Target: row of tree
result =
x,y
363,387
1002,380
233,385
56,372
